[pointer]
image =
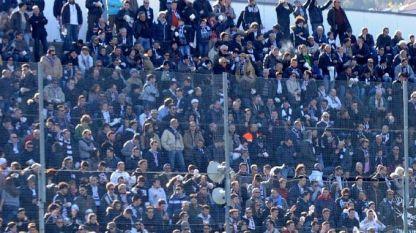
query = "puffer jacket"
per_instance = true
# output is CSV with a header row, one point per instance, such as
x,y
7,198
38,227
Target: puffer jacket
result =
x,y
172,141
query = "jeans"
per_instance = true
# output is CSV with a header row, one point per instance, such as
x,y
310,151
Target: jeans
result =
x,y
72,36
185,50
203,49
176,160
145,42
328,84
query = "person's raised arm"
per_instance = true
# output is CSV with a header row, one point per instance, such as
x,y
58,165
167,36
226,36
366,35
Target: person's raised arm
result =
x,y
324,7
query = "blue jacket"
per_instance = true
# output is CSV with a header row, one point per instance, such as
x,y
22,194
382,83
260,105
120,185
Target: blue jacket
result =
x,y
175,203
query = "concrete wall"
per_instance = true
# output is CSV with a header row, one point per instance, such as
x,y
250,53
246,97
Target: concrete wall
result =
x,y
375,21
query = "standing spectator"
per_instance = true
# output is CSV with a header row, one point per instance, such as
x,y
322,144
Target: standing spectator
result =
x,y
203,36
143,30
50,65
63,199
19,21
125,18
251,14
176,200
9,202
152,220
84,201
120,172
153,156
300,10
86,146
283,11
172,142
156,193
338,21
150,91
326,64
147,10
95,10
57,9
124,221
183,37
162,32
71,22
29,197
38,22
315,13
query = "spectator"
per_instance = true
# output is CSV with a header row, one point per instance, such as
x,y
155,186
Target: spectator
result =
x,y
315,13
120,172
9,201
95,10
123,221
156,193
38,22
338,20
54,93
172,142
51,65
71,22
283,11
371,222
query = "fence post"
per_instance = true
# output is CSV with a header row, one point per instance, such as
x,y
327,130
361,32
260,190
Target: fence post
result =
x,y
41,175
227,153
406,155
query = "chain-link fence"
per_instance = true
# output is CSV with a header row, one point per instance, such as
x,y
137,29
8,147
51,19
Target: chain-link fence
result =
x,y
129,150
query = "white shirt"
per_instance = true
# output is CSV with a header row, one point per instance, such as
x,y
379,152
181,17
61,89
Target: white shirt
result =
x,y
117,174
334,102
156,194
73,15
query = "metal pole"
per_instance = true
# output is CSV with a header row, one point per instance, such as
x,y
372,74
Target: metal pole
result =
x,y
227,153
406,155
41,175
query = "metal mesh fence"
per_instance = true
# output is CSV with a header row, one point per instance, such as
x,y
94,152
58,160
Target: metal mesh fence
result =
x,y
129,150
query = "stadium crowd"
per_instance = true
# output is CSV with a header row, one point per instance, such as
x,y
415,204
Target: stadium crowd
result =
x,y
134,114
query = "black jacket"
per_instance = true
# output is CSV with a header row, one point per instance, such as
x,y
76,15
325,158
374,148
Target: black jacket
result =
x,y
283,15
202,8
123,223
324,62
315,12
149,14
92,9
383,41
66,14
57,7
142,29
152,162
332,21
38,26
162,32
16,21
251,14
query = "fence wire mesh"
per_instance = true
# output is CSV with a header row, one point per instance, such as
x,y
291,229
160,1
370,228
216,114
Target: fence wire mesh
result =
x,y
128,149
